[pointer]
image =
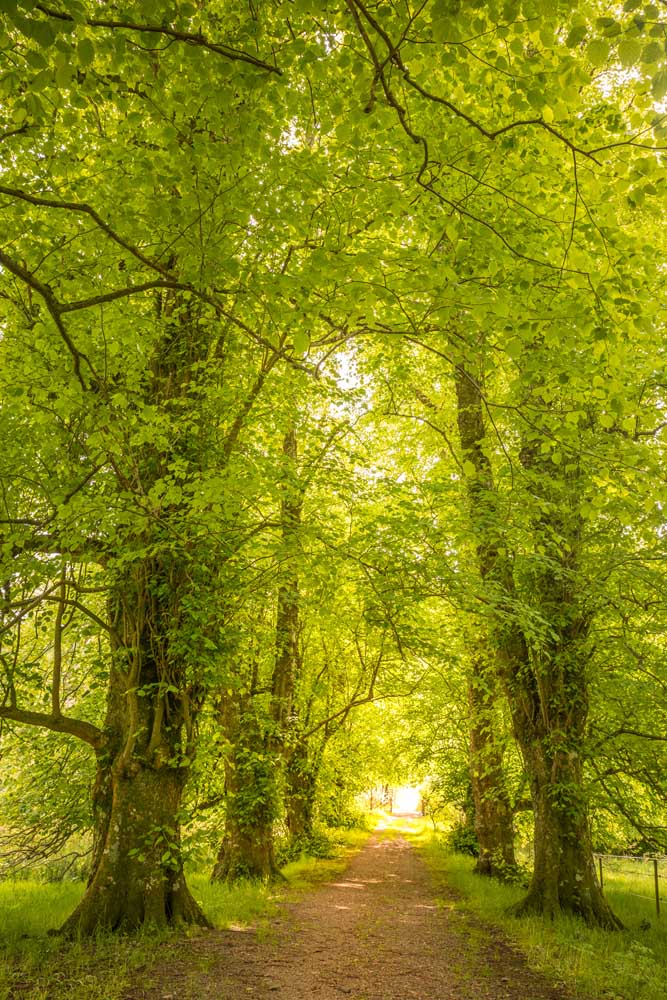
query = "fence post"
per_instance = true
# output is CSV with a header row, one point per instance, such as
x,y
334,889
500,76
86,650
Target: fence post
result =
x,y
601,879
657,886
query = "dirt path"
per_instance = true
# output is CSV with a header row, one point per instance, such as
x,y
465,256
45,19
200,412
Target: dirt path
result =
x,y
375,933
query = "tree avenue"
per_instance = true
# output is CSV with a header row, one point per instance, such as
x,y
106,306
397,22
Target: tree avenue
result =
x,y
331,396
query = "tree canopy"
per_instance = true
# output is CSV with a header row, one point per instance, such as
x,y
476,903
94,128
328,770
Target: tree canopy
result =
x,y
332,408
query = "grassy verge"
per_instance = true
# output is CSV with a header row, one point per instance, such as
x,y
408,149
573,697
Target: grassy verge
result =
x,y
36,966
628,965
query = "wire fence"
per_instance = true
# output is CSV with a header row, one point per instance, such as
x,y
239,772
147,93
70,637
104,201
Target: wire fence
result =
x,y
654,869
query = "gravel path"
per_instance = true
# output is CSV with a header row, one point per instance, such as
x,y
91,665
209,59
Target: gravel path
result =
x,y
383,930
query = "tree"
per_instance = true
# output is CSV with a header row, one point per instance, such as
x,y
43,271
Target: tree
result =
x,y
448,213
135,420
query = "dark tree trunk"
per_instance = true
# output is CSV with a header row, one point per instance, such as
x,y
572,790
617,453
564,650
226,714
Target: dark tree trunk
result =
x,y
137,869
251,797
545,681
254,769
246,853
550,709
494,825
300,792
138,873
564,878
287,663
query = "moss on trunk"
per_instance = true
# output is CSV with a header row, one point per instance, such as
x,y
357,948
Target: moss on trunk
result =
x,y
138,877
494,821
300,790
137,869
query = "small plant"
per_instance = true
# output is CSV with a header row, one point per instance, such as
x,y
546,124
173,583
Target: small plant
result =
x,y
516,874
462,839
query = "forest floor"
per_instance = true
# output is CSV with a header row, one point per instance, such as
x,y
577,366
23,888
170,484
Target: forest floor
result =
x,y
385,928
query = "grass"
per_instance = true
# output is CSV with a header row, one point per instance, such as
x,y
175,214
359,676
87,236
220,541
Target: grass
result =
x,y
627,965
36,966
631,965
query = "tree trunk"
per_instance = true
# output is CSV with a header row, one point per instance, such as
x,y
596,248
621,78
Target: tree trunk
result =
x,y
300,791
545,679
137,869
287,662
254,769
564,878
138,874
494,825
245,852
251,797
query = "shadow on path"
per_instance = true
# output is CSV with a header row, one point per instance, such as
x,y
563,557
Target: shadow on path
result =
x,y
381,931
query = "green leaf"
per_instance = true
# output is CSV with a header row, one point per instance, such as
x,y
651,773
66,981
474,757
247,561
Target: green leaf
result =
x,y
85,51
598,51
659,85
35,59
652,53
301,341
630,51
63,76
576,36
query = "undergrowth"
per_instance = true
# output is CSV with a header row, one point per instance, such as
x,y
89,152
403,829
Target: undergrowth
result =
x,y
35,965
625,965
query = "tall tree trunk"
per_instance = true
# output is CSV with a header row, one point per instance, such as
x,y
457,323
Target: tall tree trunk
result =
x,y
254,769
137,875
251,797
564,877
494,824
546,682
300,791
287,662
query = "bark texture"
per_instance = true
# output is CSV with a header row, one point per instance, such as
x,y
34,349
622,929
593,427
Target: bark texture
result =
x,y
137,872
247,850
494,824
300,792
254,769
545,680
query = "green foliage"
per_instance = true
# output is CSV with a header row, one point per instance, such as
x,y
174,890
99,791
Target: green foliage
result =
x,y
223,225
462,839
45,807
324,842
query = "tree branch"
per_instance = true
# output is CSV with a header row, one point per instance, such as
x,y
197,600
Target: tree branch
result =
x,y
54,308
85,731
190,38
85,209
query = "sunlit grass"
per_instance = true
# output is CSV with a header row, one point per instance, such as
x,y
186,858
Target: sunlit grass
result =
x,y
232,906
627,965
33,908
418,828
630,883
38,966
